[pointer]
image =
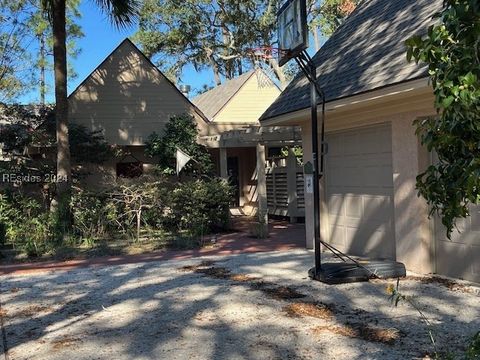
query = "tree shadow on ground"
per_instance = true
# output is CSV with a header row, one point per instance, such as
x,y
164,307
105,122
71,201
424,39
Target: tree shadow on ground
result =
x,y
154,310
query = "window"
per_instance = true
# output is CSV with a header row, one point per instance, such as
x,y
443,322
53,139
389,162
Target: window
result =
x,y
130,169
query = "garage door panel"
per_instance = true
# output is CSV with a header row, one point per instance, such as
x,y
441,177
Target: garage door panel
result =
x,y
353,206
373,244
338,235
460,255
475,254
359,188
475,223
452,260
335,205
377,208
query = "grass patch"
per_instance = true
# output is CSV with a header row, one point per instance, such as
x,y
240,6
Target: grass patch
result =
x,y
120,245
361,331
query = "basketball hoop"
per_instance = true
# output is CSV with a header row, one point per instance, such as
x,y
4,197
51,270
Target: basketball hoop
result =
x,y
261,57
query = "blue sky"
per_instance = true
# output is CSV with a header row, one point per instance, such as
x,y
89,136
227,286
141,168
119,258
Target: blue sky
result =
x,y
99,41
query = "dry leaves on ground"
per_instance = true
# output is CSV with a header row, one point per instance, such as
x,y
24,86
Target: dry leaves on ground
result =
x,y
33,310
66,341
316,310
361,331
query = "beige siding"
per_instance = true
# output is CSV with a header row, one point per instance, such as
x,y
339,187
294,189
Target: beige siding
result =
x,y
249,103
127,98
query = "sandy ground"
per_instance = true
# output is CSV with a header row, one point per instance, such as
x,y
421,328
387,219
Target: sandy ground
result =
x,y
161,311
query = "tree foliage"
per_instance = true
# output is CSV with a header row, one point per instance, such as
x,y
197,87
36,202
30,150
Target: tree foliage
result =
x,y
328,15
26,46
206,33
451,49
180,132
14,56
27,126
42,41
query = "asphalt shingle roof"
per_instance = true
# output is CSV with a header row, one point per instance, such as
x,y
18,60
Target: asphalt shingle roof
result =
x,y
212,101
366,53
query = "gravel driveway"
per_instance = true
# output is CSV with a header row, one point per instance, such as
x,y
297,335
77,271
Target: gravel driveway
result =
x,y
249,306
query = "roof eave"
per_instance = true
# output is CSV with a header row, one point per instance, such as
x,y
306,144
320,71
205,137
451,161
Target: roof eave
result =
x,y
383,93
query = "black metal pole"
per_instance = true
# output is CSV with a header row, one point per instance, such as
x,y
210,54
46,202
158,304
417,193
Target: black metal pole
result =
x,y
316,169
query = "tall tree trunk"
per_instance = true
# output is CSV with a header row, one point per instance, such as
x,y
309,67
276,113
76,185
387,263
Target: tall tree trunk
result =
x,y
61,113
43,56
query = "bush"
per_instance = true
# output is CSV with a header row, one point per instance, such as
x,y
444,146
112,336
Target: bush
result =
x,y
188,210
132,198
200,206
93,215
27,225
180,132
473,351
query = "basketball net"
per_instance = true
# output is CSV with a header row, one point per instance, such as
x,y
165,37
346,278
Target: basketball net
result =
x,y
260,58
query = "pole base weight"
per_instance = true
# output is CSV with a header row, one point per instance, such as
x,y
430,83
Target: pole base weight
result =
x,y
342,273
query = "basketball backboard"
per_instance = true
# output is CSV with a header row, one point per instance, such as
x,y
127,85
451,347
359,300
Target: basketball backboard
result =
x,y
292,30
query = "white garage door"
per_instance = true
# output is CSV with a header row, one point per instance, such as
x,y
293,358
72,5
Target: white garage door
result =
x,y
460,256
359,192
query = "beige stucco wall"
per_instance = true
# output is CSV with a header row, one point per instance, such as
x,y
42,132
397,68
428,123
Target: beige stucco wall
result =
x,y
249,103
414,239
128,99
413,236
101,176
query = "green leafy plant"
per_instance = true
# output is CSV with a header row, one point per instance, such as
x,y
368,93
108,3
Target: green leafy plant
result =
x,y
395,297
132,198
199,206
94,215
473,350
451,51
180,132
28,226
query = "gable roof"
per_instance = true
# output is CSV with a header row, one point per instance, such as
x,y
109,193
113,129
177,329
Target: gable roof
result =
x,y
366,53
128,42
213,101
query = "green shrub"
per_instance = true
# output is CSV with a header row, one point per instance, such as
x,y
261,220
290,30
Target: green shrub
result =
x,y
27,225
180,132
94,215
133,198
473,351
199,206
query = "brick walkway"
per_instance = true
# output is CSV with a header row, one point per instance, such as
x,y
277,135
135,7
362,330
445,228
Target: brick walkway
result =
x,y
282,237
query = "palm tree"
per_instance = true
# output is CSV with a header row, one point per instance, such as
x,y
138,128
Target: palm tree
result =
x,y
122,13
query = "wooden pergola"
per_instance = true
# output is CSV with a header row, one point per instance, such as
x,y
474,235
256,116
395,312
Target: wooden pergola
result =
x,y
258,137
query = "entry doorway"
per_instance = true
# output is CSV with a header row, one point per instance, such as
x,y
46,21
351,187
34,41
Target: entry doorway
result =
x,y
234,179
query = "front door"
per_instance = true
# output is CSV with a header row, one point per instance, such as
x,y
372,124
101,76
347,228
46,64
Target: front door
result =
x,y
234,179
